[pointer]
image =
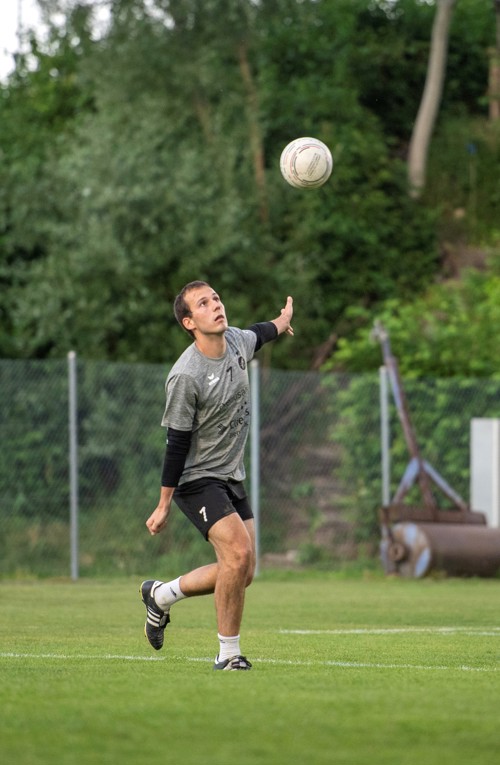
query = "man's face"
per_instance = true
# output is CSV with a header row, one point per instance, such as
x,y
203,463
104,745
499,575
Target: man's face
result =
x,y
208,316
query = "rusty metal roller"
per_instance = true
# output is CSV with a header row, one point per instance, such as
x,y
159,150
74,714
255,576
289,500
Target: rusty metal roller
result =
x,y
414,549
416,540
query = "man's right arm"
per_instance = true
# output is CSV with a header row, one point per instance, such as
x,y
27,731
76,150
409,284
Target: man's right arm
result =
x,y
159,517
178,443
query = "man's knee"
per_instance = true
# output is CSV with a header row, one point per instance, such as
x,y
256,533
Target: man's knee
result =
x,y
241,555
250,574
239,559
234,548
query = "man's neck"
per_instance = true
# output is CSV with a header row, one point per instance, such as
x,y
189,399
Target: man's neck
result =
x,y
213,346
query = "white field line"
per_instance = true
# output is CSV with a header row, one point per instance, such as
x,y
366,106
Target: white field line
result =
x,y
368,665
276,662
81,656
474,631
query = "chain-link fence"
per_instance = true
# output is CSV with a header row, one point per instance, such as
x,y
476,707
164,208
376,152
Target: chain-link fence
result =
x,y
320,465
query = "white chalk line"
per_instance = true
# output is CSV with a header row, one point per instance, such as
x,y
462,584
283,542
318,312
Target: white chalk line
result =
x,y
276,662
468,631
473,631
368,665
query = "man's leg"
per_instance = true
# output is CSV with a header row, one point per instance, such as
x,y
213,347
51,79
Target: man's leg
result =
x,y
202,580
234,543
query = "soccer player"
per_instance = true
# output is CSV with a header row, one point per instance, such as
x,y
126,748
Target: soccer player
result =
x,y
207,417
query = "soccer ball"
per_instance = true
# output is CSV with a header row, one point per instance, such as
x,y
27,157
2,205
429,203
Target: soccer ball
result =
x,y
306,163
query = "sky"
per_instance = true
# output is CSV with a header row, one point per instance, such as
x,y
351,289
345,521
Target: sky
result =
x,y
11,12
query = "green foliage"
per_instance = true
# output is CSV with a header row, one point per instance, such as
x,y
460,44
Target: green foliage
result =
x,y
443,341
391,58
38,108
112,400
448,331
34,466
393,38
357,434
155,181
440,411
136,162
465,157
472,33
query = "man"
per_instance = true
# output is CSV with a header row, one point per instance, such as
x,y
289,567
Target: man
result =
x,y
207,418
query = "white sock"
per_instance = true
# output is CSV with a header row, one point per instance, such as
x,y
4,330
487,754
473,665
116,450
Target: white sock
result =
x,y
168,593
228,647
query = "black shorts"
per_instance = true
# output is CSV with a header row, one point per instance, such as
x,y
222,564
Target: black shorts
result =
x,y
207,500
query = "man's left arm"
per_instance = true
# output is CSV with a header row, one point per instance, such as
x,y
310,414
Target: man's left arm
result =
x,y
283,322
269,330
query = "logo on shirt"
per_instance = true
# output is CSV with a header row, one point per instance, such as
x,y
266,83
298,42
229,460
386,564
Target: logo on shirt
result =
x,y
212,379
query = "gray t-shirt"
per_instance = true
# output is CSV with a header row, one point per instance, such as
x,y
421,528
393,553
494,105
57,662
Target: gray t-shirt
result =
x,y
211,398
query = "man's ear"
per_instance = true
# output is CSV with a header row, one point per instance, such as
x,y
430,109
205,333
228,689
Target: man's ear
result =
x,y
188,323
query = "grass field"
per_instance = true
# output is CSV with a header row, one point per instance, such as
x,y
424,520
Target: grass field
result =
x,y
364,671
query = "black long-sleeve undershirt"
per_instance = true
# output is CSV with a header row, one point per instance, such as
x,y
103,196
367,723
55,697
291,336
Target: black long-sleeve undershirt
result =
x,y
265,331
178,443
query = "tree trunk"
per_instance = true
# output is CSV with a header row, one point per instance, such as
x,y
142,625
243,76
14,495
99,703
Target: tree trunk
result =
x,y
256,142
431,98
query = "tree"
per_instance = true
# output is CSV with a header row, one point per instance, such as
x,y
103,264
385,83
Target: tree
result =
x,y
39,105
166,176
431,97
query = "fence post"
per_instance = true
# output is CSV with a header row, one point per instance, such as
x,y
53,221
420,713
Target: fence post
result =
x,y
73,462
385,437
255,454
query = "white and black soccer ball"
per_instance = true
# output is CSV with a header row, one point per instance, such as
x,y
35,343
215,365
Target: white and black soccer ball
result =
x,y
306,163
